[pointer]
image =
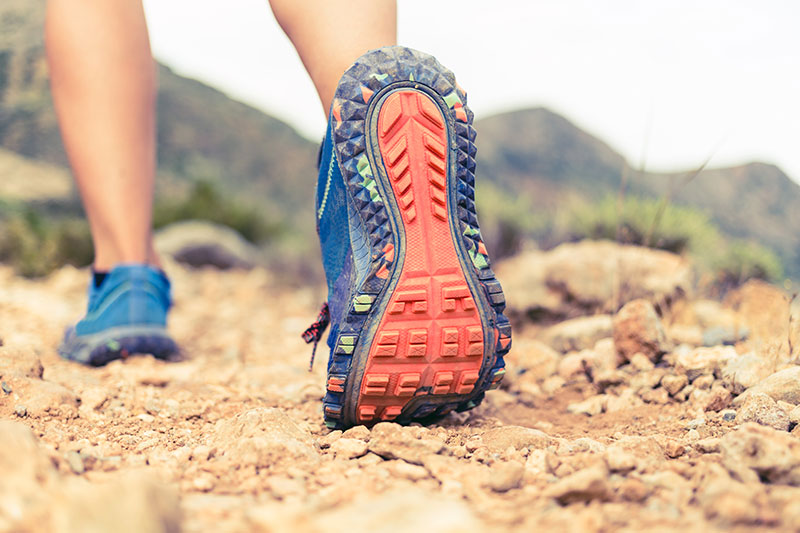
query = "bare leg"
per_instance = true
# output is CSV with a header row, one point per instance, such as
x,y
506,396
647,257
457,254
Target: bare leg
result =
x,y
103,81
330,35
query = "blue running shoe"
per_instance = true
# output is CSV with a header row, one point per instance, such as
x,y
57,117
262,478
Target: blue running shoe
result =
x,y
416,313
127,314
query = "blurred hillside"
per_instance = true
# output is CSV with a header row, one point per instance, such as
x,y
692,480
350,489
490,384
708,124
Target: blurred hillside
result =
x,y
541,177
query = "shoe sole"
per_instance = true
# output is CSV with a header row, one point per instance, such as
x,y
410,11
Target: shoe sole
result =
x,y
118,343
425,333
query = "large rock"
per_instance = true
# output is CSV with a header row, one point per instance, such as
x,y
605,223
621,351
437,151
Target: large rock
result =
x,y
745,371
783,385
200,243
578,333
39,398
592,277
763,308
265,438
637,329
753,453
26,476
409,509
501,438
132,503
762,409
17,363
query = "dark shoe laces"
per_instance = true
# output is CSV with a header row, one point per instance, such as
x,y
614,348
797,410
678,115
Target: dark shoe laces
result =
x,y
315,331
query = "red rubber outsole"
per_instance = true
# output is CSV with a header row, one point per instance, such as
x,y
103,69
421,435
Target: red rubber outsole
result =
x,y
430,338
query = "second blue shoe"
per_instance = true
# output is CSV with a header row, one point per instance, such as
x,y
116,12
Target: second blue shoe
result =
x,y
127,314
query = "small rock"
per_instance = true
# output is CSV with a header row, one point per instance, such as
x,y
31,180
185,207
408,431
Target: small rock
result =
x,y
20,410
506,476
357,432
346,448
695,423
618,460
330,438
699,361
6,387
637,329
146,418
703,382
641,362
406,470
202,453
591,406
392,441
634,490
657,396
762,409
625,401
719,398
794,415
473,444
709,445
674,449
692,435
728,415
578,333
571,365
204,482
75,462
674,384
533,359
582,486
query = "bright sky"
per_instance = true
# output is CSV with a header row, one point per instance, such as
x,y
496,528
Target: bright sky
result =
x,y
673,80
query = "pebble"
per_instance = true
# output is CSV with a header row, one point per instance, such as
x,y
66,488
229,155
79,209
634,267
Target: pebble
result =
x,y
75,462
506,476
673,384
695,423
581,486
728,415
674,449
6,387
345,448
330,438
709,445
618,460
357,432
20,410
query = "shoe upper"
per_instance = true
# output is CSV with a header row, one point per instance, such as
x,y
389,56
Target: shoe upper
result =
x,y
131,294
343,239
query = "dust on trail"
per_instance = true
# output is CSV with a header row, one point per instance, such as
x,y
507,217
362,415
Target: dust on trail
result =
x,y
231,437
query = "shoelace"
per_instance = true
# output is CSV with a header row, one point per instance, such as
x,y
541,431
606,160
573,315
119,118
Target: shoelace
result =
x,y
315,331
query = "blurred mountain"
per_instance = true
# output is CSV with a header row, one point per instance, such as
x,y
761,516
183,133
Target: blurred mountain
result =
x,y
533,157
546,159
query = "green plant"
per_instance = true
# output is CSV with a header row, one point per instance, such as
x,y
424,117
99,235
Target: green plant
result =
x,y
206,202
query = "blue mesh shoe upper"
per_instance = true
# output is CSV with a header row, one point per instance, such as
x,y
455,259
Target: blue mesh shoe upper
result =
x,y
129,295
343,239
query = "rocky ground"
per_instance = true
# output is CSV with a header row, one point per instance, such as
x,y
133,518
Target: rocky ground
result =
x,y
630,404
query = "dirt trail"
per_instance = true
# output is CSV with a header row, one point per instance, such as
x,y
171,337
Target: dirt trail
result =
x,y
231,437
